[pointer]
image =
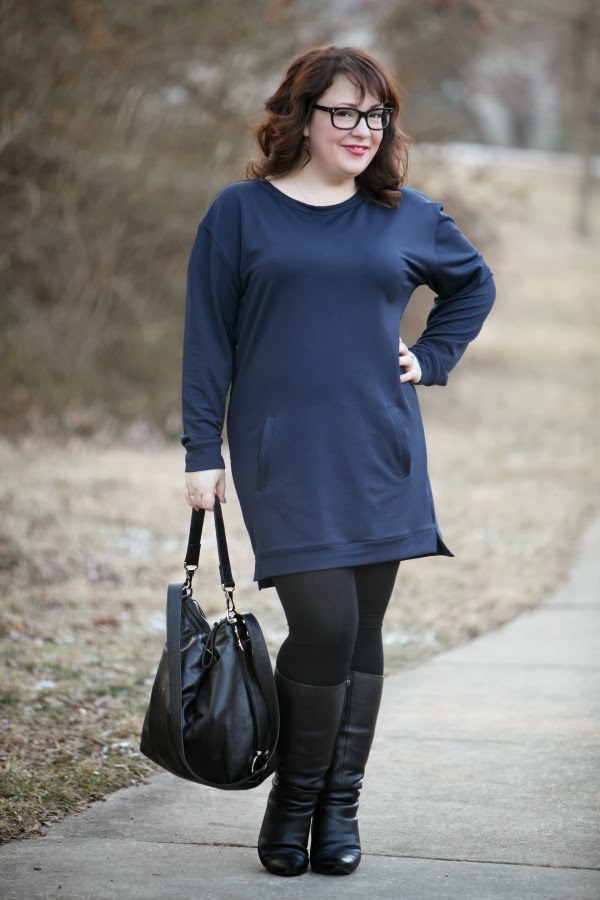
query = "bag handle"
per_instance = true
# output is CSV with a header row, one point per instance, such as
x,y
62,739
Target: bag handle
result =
x,y
192,555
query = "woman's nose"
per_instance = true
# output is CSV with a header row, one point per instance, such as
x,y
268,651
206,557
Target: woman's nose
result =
x,y
361,128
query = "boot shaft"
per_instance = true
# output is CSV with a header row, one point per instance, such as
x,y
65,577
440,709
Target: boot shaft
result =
x,y
310,717
356,732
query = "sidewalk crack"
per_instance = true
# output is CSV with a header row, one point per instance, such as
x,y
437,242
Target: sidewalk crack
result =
x,y
483,862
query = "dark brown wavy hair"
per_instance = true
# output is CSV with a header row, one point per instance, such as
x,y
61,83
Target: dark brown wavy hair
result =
x,y
280,134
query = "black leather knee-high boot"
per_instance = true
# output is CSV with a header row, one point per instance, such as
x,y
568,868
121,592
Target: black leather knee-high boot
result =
x,y
310,717
335,840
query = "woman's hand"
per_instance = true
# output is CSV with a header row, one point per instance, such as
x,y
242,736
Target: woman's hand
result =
x,y
201,487
412,369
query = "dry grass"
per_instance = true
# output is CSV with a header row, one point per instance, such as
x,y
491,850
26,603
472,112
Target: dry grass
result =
x,y
93,531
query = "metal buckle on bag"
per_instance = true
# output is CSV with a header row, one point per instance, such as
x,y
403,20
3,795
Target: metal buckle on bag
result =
x,y
231,610
231,615
189,574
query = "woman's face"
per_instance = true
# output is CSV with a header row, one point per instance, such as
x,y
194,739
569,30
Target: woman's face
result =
x,y
339,154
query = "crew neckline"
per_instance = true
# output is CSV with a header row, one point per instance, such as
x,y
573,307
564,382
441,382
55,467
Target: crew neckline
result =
x,y
309,207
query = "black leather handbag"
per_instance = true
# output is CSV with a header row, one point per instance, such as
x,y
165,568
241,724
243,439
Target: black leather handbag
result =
x,y
213,715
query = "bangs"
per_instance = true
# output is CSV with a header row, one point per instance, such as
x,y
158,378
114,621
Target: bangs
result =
x,y
365,79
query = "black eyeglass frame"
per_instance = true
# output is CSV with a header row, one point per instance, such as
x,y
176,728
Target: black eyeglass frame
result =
x,y
361,115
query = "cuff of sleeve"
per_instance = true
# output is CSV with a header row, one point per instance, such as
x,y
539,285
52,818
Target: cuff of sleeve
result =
x,y
429,368
199,458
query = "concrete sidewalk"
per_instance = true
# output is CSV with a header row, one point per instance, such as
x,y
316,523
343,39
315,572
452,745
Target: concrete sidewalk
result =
x,y
483,784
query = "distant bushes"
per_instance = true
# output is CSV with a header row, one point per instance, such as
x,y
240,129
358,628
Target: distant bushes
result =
x,y
103,179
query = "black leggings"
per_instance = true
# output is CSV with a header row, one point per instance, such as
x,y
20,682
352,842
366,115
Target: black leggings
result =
x,y
334,618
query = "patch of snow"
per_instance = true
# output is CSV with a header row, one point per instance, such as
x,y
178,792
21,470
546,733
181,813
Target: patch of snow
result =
x,y
136,542
156,622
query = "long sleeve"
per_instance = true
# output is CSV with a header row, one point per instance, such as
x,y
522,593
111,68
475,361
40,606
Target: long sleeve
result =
x,y
213,295
465,294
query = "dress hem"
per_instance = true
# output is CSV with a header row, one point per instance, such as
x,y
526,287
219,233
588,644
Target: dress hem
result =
x,y
427,542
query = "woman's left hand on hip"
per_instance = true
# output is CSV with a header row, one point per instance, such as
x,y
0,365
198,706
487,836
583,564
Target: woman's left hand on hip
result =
x,y
410,364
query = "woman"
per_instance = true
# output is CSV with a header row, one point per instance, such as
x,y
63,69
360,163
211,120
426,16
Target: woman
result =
x,y
297,283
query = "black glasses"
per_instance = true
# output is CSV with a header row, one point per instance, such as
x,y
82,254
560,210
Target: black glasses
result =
x,y
346,117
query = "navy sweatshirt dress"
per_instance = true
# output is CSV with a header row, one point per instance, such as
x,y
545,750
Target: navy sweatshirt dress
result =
x,y
298,308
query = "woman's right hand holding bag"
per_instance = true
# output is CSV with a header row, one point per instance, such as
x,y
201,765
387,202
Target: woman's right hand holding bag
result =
x,y
201,487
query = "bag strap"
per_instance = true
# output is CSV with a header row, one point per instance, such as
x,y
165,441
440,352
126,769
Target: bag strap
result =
x,y
175,594
264,674
192,555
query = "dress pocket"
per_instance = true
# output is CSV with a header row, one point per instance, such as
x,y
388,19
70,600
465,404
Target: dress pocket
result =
x,y
402,442
262,465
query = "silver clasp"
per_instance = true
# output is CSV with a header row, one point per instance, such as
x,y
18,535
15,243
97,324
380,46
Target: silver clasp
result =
x,y
189,574
231,611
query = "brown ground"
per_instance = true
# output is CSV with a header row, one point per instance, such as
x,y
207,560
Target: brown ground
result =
x,y
93,531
